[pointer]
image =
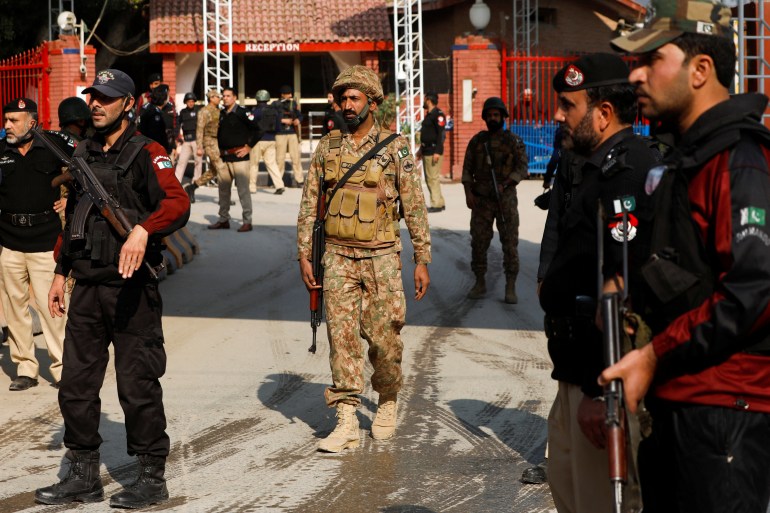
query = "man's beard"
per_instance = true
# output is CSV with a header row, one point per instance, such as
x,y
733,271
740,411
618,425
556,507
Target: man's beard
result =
x,y
14,140
582,139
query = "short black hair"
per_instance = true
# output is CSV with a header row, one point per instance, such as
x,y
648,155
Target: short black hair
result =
x,y
621,96
233,89
432,97
720,49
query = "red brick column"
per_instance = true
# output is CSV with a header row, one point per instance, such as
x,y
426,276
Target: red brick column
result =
x,y
371,60
479,59
64,73
169,74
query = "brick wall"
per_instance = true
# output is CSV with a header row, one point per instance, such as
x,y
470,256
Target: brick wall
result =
x,y
479,59
168,73
64,76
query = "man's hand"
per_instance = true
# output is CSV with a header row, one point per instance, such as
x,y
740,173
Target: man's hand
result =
x,y
306,272
56,296
243,151
591,418
199,151
470,200
59,205
421,281
636,369
436,156
132,252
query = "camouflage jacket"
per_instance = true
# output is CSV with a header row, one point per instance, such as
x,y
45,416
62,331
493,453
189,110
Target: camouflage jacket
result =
x,y
208,123
405,183
509,159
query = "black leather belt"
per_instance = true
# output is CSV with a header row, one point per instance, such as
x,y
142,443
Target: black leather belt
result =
x,y
29,219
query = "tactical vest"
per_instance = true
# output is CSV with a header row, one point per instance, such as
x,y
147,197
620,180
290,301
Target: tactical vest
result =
x,y
212,123
363,212
102,244
501,151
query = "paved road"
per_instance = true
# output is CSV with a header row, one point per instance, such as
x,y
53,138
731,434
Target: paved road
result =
x,y
244,397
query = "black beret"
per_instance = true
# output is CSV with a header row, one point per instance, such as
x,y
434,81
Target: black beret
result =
x,y
595,70
20,105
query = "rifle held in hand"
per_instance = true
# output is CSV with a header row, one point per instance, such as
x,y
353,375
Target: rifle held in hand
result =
x,y
319,243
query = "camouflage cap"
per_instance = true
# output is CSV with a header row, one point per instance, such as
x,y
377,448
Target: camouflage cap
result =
x,y
213,92
671,18
362,78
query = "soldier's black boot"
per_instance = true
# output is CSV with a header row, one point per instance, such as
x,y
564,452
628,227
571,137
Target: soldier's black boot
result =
x,y
510,289
479,288
189,188
81,484
149,488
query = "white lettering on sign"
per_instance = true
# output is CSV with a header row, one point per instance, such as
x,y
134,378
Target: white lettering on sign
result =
x,y
272,47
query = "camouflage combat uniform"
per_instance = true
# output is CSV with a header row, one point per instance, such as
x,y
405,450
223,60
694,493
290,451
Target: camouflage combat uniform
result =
x,y
509,159
363,291
206,138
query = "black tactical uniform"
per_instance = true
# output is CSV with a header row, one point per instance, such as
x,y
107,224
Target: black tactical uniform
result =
x,y
188,120
432,133
333,120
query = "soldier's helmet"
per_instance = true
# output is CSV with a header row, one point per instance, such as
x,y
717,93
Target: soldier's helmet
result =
x,y
190,96
73,109
362,78
262,96
494,103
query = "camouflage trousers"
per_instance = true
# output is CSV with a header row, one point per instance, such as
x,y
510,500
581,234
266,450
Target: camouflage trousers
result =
x,y
482,218
364,298
211,149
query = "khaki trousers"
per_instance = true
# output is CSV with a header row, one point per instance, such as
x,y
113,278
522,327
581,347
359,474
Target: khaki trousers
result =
x,y
432,172
290,142
186,150
578,474
264,150
238,171
18,273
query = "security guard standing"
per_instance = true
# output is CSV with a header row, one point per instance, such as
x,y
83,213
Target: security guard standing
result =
x,y
432,136
206,141
188,124
604,160
115,301
333,119
495,162
29,228
288,139
267,118
363,292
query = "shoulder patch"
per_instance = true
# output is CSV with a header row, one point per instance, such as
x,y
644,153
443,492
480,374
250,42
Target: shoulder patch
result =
x,y
403,152
627,203
408,165
616,227
162,162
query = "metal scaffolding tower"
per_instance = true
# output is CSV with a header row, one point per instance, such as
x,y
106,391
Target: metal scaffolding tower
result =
x,y
525,39
217,44
753,64
407,26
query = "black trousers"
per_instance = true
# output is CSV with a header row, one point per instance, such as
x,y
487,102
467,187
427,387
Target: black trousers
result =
x,y
705,459
129,317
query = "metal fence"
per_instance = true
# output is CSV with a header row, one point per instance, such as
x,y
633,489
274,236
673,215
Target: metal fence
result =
x,y
26,76
538,139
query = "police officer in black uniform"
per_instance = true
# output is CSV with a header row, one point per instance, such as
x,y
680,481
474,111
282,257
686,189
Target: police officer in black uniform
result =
x,y
605,161
333,119
75,118
432,149
188,121
116,300
29,228
157,119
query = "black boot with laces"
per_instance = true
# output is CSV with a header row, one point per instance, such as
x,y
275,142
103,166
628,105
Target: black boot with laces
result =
x,y
149,488
81,484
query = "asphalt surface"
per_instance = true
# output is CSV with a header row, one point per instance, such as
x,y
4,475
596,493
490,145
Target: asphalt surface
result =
x,y
244,398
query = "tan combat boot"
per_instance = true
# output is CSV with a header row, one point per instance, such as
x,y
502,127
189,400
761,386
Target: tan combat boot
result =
x,y
510,290
345,435
479,288
384,425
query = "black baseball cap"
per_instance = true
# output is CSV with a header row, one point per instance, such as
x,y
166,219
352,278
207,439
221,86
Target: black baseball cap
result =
x,y
594,70
113,83
20,105
154,77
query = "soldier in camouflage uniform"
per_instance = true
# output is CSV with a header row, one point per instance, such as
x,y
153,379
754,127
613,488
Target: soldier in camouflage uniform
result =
x,y
363,291
499,150
206,141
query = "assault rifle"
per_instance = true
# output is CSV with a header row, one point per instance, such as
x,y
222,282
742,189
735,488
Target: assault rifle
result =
x,y
494,184
317,253
613,309
83,179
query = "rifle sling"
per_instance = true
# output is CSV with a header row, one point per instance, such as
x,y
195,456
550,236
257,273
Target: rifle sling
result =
x,y
369,154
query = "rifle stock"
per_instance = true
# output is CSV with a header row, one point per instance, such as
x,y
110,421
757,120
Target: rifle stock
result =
x,y
494,183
